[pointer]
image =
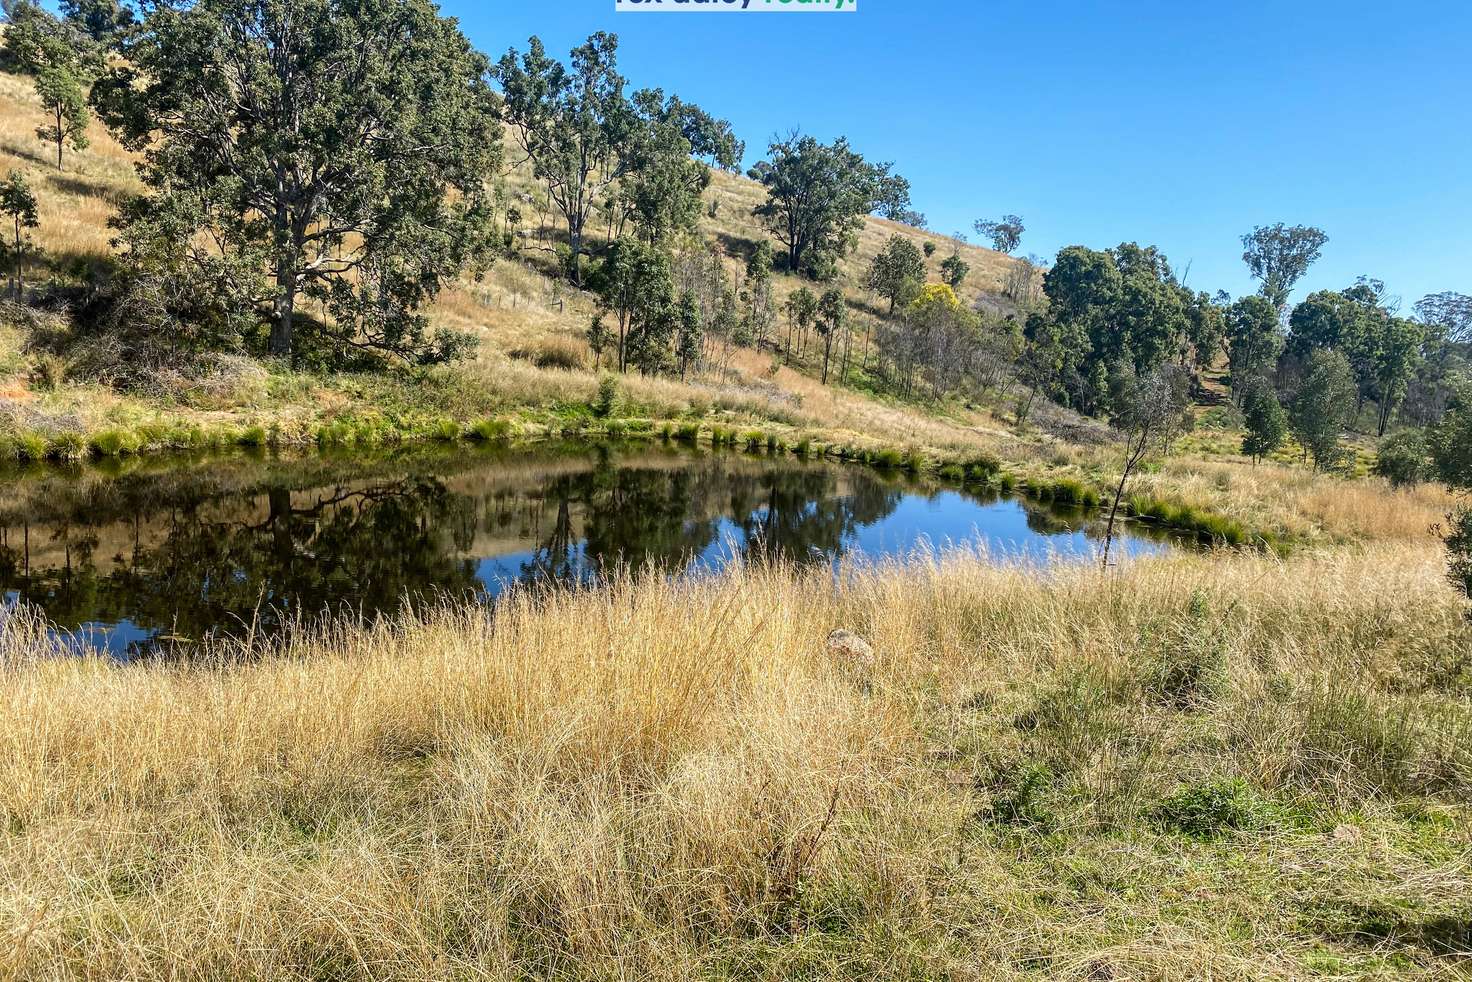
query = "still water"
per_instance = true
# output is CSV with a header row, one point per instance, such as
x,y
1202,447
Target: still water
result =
x,y
149,555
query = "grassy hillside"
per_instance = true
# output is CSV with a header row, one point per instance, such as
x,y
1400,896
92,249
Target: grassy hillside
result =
x,y
517,310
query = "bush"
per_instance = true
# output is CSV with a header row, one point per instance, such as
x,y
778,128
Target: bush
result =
x,y
1404,459
754,441
1022,797
606,401
116,443
687,432
1211,808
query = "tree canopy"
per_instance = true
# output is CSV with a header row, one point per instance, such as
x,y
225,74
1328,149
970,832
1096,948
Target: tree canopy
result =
x,y
1005,233
817,195
1279,255
334,150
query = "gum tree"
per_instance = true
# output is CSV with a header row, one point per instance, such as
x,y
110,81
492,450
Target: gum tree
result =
x,y
1278,256
573,123
817,196
18,206
1004,233
329,150
61,60
897,273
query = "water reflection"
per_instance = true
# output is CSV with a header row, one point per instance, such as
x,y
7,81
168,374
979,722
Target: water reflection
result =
x,y
153,556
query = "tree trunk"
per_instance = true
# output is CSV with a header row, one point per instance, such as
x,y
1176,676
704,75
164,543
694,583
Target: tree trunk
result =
x,y
827,353
1114,508
575,241
283,326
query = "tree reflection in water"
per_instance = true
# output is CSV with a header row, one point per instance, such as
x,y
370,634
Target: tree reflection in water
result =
x,y
259,544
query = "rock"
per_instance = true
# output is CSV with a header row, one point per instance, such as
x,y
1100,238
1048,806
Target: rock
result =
x,y
851,651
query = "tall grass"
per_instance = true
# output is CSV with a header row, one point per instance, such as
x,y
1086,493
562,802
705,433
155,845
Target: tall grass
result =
x,y
676,779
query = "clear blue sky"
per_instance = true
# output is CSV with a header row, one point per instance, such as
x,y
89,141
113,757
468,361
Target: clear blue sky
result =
x,y
1179,124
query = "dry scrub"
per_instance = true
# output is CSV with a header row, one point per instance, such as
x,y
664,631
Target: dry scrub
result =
x,y
1214,766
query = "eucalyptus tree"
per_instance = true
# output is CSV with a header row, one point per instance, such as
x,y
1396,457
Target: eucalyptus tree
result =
x,y
572,123
1253,341
327,150
897,272
832,318
635,284
1452,312
954,270
18,206
1278,256
1005,233
1451,450
1265,420
1149,411
1322,407
662,185
817,197
802,310
62,60
104,21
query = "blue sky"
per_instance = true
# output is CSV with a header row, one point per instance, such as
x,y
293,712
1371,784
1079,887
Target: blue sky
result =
x,y
1177,124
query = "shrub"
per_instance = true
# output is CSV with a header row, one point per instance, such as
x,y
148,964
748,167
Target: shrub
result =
x,y
754,440
1211,808
804,447
1404,459
606,401
1022,797
687,432
1007,483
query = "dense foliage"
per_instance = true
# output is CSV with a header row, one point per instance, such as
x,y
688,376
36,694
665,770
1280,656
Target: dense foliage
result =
x,y
329,150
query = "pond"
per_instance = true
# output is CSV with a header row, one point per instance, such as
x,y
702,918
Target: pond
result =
x,y
147,557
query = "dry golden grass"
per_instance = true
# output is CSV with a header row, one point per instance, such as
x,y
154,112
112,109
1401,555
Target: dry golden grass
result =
x,y
601,785
1298,504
